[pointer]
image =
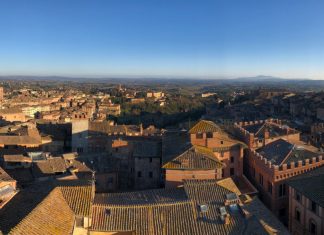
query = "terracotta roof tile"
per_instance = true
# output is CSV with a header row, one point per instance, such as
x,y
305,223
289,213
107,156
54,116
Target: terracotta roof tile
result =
x,y
204,126
195,157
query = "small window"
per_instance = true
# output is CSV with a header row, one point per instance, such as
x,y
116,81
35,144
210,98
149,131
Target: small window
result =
x,y
209,134
151,174
231,171
260,141
232,159
282,212
79,221
297,214
282,190
298,196
151,159
261,179
139,174
199,136
313,207
270,187
222,142
312,227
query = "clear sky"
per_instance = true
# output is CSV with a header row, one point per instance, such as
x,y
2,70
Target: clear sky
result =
x,y
195,38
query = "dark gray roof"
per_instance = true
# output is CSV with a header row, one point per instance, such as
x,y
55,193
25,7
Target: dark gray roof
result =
x,y
274,130
282,152
254,128
311,185
276,151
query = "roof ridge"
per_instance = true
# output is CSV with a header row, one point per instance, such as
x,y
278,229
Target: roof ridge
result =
x,y
144,205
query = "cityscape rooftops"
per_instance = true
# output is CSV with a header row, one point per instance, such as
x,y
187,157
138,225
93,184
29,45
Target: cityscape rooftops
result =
x,y
200,204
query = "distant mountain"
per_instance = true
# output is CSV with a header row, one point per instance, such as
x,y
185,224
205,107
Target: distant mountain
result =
x,y
262,78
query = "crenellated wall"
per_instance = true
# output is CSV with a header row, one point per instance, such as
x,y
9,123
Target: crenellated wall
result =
x,y
286,171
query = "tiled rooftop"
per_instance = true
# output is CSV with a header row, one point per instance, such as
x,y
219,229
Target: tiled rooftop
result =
x,y
204,126
182,214
52,216
194,158
46,208
281,151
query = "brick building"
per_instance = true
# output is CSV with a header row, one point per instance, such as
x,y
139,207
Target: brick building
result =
x,y
195,163
259,133
306,203
226,149
270,166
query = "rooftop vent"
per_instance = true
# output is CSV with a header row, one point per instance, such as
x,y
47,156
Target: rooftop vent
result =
x,y
231,196
203,208
223,211
225,217
107,211
299,147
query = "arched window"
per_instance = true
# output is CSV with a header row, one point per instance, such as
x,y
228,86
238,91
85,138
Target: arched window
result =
x,y
312,226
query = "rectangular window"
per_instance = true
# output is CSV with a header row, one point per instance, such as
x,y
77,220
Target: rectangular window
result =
x,y
199,135
139,174
151,174
231,171
222,142
282,190
261,179
232,159
270,187
312,227
209,134
297,215
151,159
313,207
298,196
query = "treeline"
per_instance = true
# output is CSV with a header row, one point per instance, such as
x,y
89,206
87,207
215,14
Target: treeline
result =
x,y
177,109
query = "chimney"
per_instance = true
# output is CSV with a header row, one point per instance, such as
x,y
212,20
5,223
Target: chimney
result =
x,y
227,219
141,129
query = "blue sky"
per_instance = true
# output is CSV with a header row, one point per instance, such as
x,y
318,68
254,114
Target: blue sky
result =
x,y
168,38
